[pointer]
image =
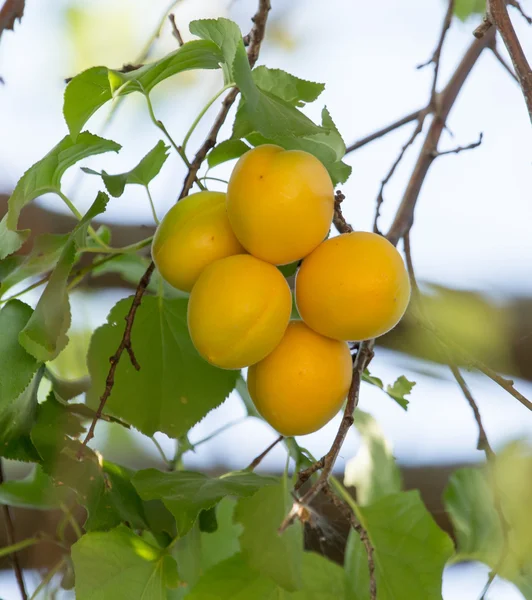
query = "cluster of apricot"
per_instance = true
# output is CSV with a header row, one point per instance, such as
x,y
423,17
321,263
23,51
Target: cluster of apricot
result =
x,y
225,248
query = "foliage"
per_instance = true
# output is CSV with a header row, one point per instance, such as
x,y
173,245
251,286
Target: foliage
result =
x,y
156,534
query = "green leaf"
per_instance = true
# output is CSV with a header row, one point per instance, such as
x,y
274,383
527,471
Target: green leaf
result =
x,y
42,258
279,557
17,367
90,90
398,391
242,389
175,387
222,543
290,88
373,470
227,37
464,9
20,449
120,564
35,491
142,174
326,145
356,572
130,267
227,150
43,177
233,579
473,500
44,335
410,550
186,493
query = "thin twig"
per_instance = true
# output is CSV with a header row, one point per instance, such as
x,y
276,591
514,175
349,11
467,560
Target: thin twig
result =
x,y
10,535
498,15
175,31
436,55
413,116
389,175
519,8
125,344
258,459
256,37
344,508
404,217
339,221
459,149
363,358
503,62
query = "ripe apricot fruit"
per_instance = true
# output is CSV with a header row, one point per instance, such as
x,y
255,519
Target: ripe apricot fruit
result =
x,y
353,287
238,311
194,233
280,203
302,384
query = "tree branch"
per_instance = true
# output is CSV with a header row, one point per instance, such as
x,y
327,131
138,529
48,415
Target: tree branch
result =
x,y
342,226
256,36
498,15
10,534
459,149
404,217
413,116
503,62
258,459
175,31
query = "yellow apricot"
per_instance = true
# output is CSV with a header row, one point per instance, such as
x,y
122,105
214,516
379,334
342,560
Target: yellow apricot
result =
x,y
302,384
280,203
238,311
194,233
353,287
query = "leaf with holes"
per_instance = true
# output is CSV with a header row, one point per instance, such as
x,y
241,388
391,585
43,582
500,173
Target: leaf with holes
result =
x,y
141,174
43,177
186,493
120,564
181,387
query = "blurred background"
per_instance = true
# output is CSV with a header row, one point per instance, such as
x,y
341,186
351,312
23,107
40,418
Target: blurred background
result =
x,y
471,242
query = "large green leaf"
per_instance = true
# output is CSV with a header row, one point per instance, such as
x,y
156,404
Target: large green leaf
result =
x,y
175,387
35,491
141,174
373,471
44,335
90,90
222,543
290,88
410,551
42,258
226,150
279,557
470,500
356,572
235,579
186,493
17,367
120,564
43,177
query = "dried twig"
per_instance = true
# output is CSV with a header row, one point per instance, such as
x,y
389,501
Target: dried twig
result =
x,y
339,221
344,508
125,344
413,116
258,459
9,13
503,62
435,58
459,149
404,217
363,358
175,31
10,535
256,36
519,8
498,15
